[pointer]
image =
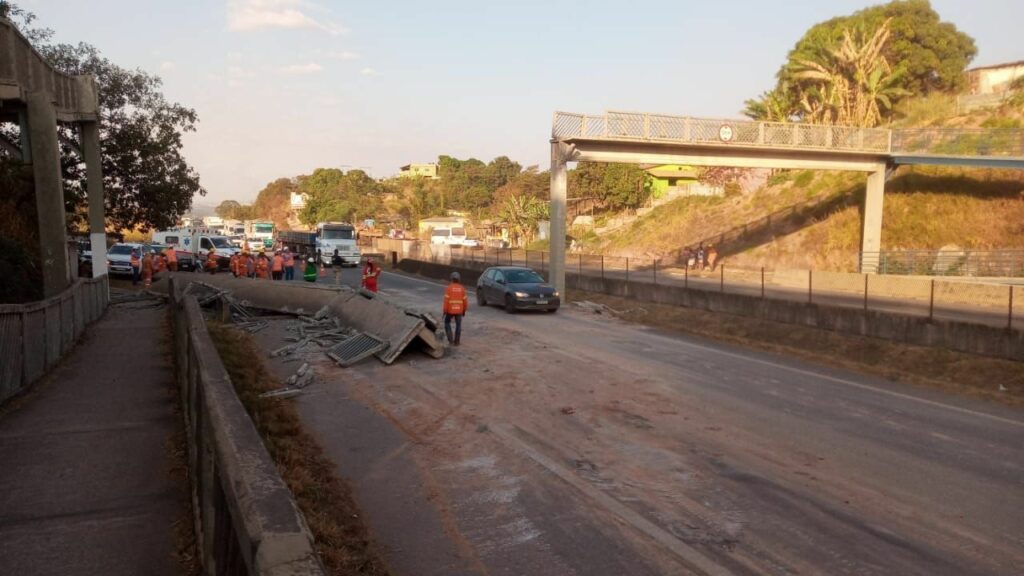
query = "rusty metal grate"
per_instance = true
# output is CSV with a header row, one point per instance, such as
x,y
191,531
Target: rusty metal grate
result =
x,y
356,348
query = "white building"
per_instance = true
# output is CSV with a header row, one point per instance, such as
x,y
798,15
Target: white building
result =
x,y
994,79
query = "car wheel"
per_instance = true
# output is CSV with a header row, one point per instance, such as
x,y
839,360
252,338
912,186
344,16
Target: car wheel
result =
x,y
480,299
510,304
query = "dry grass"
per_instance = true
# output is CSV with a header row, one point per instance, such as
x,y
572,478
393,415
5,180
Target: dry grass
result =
x,y
341,537
953,372
177,452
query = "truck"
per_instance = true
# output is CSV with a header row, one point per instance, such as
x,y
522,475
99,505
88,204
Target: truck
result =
x,y
322,242
451,236
198,242
259,234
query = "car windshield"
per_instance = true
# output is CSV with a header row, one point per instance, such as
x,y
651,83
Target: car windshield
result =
x,y
264,228
522,277
336,234
220,242
120,249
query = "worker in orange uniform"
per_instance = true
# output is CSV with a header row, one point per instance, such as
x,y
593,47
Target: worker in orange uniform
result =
x,y
262,266
242,264
233,264
147,268
172,258
211,260
277,266
371,272
455,305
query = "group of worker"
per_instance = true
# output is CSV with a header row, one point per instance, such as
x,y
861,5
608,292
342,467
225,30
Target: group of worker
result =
x,y
144,267
280,266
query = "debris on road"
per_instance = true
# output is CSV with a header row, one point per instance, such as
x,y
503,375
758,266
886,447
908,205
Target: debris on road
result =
x,y
568,410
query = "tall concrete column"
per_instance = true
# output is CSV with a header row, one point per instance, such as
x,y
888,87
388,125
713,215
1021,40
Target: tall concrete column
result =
x,y
94,185
559,185
871,234
42,120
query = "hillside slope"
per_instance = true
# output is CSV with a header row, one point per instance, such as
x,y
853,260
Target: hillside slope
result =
x,y
812,219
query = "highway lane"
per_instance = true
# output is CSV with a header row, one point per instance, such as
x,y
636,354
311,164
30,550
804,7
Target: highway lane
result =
x,y
680,453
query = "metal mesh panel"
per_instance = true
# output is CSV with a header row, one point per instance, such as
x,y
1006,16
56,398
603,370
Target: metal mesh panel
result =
x,y
626,124
663,127
779,134
595,127
356,348
567,125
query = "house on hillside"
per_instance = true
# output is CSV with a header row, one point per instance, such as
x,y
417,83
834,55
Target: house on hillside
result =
x,y
994,79
675,180
428,171
428,224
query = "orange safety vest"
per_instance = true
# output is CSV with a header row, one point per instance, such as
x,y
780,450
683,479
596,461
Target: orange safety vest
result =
x,y
172,256
135,261
289,260
147,264
211,259
261,267
455,300
278,263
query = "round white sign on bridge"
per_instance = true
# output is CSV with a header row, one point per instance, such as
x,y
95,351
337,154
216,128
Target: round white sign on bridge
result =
x,y
725,133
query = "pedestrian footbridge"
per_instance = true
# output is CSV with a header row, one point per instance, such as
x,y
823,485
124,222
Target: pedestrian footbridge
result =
x,y
642,138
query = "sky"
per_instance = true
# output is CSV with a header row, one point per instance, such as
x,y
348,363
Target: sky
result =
x,y
286,86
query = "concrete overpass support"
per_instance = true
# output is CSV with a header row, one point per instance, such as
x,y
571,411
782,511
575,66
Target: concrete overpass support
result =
x,y
94,184
871,233
559,186
45,154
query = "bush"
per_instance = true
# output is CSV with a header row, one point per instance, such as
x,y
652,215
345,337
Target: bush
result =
x,y
804,179
23,280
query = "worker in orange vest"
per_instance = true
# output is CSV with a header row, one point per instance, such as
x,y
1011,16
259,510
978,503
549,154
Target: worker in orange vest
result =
x,y
455,305
211,261
277,266
370,274
172,258
262,266
242,265
147,268
136,267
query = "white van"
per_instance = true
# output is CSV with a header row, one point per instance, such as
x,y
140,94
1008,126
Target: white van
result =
x,y
198,241
448,236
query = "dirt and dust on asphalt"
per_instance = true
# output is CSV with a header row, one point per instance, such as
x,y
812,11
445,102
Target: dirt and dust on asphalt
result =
x,y
576,444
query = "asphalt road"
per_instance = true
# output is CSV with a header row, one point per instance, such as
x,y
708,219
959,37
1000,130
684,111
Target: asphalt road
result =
x,y
575,444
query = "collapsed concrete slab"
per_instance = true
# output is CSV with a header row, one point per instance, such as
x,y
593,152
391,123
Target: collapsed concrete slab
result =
x,y
395,325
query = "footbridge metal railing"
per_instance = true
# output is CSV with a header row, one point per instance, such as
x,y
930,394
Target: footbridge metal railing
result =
x,y
636,126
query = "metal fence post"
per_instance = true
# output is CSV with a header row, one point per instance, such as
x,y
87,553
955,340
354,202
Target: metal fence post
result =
x,y
810,285
762,282
655,262
627,269
866,277
579,268
1009,317
602,266
686,276
931,302
721,282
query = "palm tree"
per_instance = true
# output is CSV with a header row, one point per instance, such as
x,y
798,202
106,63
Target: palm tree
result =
x,y
522,213
852,84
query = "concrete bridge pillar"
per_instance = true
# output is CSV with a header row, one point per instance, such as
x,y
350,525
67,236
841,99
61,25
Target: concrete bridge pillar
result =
x,y
94,185
871,234
45,155
559,186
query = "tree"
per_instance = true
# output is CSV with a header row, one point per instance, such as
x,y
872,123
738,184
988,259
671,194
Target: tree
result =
x,y
924,54
852,84
147,181
522,213
274,201
333,195
619,186
228,209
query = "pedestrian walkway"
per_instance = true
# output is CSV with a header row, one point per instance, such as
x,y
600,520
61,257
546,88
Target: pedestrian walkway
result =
x,y
85,482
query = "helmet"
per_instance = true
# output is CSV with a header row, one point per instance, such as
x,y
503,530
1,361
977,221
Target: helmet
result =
x,y
310,260
456,277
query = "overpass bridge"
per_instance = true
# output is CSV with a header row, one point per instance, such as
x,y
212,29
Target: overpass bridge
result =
x,y
642,138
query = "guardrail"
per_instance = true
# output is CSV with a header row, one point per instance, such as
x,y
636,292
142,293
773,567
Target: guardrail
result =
x,y
636,126
34,336
246,519
976,263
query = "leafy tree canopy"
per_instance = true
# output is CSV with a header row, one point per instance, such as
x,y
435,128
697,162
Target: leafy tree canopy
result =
x,y
922,54
147,181
619,186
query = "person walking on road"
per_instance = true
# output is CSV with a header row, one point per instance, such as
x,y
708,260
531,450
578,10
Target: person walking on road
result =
x,y
455,305
172,258
211,260
371,272
250,265
337,263
277,266
147,269
136,267
310,274
289,264
262,266
712,257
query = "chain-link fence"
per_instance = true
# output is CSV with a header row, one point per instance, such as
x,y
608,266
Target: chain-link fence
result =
x,y
990,303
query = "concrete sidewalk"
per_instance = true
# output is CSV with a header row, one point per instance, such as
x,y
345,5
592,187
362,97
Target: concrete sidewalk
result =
x,y
85,484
